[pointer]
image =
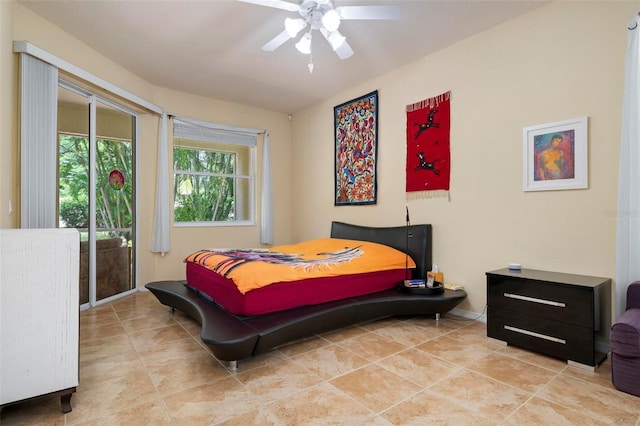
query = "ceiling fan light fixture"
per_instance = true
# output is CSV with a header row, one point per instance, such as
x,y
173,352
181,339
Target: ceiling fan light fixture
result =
x,y
293,26
304,45
331,20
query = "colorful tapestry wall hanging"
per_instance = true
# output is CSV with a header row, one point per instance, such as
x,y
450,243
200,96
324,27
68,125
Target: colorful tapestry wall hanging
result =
x,y
356,140
428,158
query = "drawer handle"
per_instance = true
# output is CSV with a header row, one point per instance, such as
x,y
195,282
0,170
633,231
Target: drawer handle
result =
x,y
533,299
534,334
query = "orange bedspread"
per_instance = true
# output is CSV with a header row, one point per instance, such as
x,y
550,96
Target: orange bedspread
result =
x,y
325,257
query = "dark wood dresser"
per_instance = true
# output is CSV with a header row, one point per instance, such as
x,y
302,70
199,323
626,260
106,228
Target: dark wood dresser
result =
x,y
556,314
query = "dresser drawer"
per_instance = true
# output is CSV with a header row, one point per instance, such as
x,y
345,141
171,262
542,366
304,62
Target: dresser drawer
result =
x,y
554,338
570,304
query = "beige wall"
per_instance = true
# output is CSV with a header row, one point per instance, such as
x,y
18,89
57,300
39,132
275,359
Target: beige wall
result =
x,y
19,23
561,61
8,90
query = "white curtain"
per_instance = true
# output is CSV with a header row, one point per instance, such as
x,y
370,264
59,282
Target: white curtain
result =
x,y
628,217
266,218
160,242
38,144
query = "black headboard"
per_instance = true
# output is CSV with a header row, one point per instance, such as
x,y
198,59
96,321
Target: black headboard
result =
x,y
396,237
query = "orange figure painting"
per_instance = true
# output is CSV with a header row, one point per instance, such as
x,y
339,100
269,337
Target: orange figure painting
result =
x,y
554,156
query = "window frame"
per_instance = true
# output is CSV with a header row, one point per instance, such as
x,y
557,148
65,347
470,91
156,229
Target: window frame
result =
x,y
215,145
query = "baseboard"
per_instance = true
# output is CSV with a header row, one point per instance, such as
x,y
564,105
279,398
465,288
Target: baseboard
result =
x,y
478,316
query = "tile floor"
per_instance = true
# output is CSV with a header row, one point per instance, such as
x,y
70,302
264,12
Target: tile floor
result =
x,y
140,365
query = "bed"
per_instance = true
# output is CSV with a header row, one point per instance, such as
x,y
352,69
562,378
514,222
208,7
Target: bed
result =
x,y
240,326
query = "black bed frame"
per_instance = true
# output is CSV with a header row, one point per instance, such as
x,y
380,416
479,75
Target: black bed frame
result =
x,y
234,337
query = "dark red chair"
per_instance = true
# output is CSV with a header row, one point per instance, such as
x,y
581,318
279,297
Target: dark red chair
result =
x,y
625,345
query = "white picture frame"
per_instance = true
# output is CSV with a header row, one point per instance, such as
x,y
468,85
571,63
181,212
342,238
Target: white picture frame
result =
x,y
555,156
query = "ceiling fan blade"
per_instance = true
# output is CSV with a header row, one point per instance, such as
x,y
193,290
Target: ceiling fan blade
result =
x,y
344,51
278,4
369,12
276,42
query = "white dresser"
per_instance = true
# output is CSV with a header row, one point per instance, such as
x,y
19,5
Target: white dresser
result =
x,y
39,314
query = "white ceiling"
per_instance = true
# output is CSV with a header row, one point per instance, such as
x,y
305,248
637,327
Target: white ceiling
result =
x,y
213,48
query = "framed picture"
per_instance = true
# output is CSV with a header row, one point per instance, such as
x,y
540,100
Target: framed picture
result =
x,y
555,156
356,147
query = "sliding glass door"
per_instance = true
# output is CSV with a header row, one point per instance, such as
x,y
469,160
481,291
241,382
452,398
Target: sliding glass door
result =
x,y
96,189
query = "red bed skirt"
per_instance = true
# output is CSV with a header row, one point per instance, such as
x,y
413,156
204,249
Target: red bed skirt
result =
x,y
288,295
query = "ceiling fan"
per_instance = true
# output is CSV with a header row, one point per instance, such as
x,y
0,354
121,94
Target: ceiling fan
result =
x,y
323,16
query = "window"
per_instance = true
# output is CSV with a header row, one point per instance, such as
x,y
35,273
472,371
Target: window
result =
x,y
213,179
